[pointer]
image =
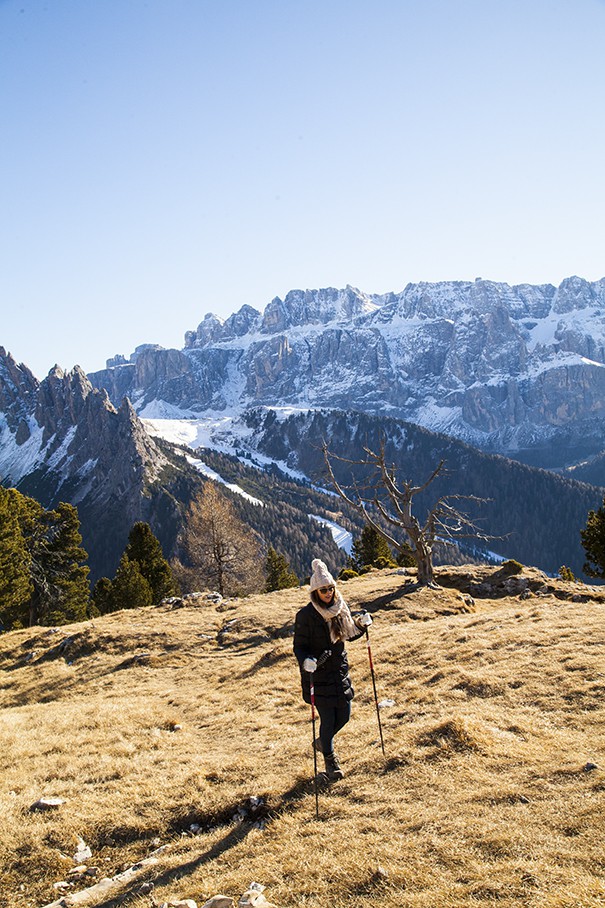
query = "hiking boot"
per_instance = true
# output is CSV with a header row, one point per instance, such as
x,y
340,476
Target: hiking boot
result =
x,y
333,770
317,745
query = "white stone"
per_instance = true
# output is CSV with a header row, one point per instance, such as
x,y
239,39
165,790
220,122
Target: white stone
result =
x,y
47,803
83,852
219,901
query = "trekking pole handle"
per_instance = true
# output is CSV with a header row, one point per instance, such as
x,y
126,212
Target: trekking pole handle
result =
x,y
324,657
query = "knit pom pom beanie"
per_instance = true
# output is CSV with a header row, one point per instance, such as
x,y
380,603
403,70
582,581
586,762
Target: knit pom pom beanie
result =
x,y
321,575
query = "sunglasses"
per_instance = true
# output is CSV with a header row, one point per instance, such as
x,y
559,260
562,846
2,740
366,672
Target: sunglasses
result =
x,y
326,589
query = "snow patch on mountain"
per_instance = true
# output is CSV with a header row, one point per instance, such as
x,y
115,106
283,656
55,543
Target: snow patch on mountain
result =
x,y
209,473
283,413
342,537
226,433
17,461
161,409
438,418
222,432
60,458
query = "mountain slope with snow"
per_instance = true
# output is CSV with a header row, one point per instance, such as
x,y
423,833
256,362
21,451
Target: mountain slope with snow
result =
x,y
515,370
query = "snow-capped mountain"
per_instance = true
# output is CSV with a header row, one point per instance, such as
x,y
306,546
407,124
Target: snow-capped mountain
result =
x,y
518,370
63,440
530,514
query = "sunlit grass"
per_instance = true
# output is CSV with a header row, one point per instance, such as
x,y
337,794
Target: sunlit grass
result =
x,y
148,726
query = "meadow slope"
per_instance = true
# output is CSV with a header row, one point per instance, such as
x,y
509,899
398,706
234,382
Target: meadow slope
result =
x,y
178,733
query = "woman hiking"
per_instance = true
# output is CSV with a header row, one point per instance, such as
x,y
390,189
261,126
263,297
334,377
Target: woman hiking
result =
x,y
320,631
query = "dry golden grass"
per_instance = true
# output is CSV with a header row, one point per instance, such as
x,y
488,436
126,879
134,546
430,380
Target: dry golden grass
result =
x,y
149,721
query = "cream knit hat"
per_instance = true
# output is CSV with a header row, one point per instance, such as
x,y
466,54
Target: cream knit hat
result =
x,y
321,575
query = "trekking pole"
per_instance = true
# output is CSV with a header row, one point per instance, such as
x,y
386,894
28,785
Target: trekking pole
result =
x,y
313,744
375,694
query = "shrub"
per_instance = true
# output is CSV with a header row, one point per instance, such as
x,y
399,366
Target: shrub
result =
x,y
512,567
384,562
347,574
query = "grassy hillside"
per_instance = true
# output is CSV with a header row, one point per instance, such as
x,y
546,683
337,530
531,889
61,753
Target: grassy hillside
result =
x,y
157,727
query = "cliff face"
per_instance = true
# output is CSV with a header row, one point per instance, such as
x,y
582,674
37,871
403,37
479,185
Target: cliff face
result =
x,y
516,370
63,440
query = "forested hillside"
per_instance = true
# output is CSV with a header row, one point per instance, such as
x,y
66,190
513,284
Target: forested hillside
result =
x,y
283,521
529,514
591,471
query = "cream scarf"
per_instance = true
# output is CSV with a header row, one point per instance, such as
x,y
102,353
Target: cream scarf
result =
x,y
338,616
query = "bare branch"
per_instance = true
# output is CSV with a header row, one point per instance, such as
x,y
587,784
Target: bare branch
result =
x,y
443,518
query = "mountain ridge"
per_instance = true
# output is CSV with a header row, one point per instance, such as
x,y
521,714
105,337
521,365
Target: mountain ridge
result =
x,y
517,370
86,438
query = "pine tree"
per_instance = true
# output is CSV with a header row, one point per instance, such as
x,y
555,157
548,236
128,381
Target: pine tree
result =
x,y
129,588
405,557
279,575
43,575
371,549
68,565
51,548
36,527
15,583
144,548
593,541
103,599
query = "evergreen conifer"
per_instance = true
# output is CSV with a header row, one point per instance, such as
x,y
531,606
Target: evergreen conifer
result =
x,y
129,588
70,572
103,600
15,583
279,575
593,541
58,576
144,548
371,549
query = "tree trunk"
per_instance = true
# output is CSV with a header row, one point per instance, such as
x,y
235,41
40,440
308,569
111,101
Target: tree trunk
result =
x,y
422,551
424,563
34,609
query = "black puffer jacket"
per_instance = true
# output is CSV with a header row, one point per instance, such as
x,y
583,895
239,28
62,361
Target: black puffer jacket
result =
x,y
312,638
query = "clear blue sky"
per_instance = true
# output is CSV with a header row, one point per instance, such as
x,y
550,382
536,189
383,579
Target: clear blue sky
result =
x,y
160,159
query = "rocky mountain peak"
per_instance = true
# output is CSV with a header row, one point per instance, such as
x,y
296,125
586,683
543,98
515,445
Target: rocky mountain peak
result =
x,y
61,399
508,368
18,388
299,308
63,440
577,293
245,321
316,307
207,331
145,456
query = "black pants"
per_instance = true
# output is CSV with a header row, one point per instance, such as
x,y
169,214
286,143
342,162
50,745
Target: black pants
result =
x,y
333,718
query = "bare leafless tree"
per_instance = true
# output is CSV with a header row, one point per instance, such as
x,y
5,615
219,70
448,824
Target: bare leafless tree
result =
x,y
392,498
220,551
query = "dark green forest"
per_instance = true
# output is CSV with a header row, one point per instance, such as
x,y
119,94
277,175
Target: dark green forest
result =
x,y
529,514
